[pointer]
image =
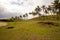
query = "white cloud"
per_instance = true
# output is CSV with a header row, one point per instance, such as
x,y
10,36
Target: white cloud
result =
x,y
22,6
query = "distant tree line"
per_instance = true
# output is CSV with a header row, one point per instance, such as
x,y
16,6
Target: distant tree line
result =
x,y
54,8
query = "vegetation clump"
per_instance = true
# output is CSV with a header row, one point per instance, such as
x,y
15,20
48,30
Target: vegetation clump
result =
x,y
10,27
49,23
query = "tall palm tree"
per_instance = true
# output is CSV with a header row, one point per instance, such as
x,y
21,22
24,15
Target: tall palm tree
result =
x,y
46,11
43,7
37,10
56,6
49,9
53,10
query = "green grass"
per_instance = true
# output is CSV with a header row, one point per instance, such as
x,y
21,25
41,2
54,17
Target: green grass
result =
x,y
31,30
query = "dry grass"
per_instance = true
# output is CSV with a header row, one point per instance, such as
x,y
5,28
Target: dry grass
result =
x,y
3,24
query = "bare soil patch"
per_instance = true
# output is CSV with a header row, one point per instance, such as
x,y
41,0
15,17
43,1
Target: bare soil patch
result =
x,y
3,24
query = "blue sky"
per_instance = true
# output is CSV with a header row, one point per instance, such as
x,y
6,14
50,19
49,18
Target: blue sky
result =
x,y
16,7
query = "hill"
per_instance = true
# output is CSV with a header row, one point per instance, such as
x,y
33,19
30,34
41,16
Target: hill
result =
x,y
41,28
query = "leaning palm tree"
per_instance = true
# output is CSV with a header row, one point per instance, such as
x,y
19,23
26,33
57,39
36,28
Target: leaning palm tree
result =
x,y
49,9
12,18
16,18
37,10
53,10
30,13
46,11
43,7
24,16
56,6
20,16
34,13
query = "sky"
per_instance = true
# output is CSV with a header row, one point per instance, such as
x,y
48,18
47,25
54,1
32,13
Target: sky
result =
x,y
9,8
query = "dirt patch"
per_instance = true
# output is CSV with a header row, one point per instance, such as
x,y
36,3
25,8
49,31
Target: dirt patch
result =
x,y
3,24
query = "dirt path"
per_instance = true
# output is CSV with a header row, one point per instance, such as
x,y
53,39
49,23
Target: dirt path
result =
x,y
3,24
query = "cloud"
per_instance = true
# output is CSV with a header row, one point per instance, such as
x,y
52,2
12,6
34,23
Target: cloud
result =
x,y
13,7
2,10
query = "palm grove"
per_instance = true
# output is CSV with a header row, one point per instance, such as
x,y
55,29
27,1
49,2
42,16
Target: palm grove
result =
x,y
54,8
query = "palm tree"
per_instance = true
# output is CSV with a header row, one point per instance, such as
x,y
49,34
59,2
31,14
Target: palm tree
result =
x,y
20,16
24,16
43,7
16,18
46,11
12,18
34,13
37,10
30,13
49,9
56,6
54,10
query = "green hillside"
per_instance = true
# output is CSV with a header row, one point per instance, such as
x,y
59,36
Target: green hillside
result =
x,y
40,28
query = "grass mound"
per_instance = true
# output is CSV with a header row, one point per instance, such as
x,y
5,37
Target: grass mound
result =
x,y
34,29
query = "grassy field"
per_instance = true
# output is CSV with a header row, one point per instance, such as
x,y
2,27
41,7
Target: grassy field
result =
x,y
34,29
